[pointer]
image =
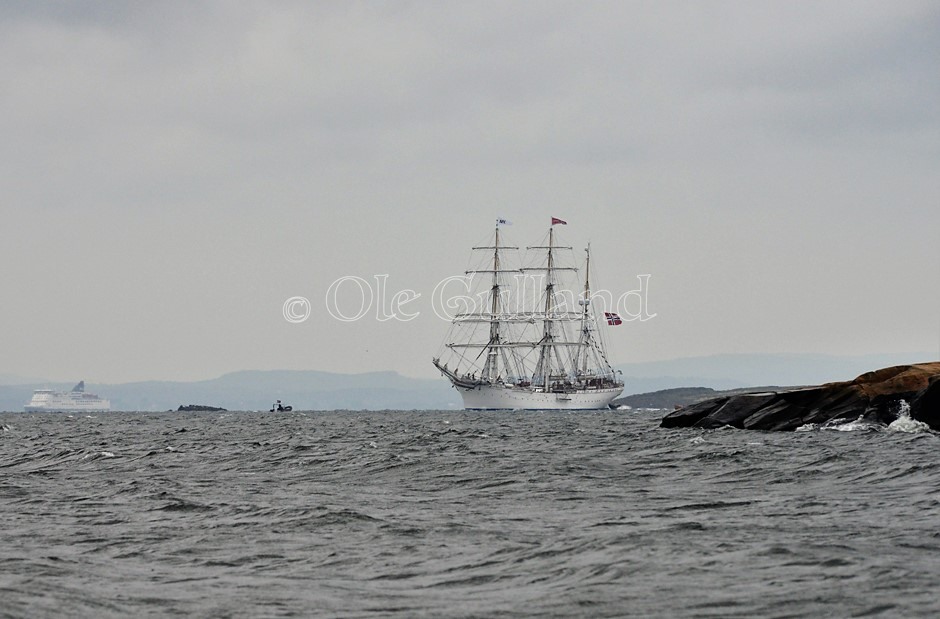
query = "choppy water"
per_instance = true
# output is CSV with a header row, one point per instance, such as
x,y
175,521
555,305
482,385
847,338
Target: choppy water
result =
x,y
455,514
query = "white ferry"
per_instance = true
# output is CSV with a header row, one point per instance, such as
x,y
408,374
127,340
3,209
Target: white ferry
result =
x,y
74,401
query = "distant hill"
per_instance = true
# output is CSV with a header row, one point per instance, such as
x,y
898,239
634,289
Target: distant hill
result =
x,y
682,396
666,398
13,379
304,390
257,390
746,370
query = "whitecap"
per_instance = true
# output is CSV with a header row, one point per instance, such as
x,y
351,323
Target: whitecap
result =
x,y
904,423
859,425
99,454
807,427
698,440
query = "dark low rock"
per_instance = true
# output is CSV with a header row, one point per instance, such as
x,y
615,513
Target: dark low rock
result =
x,y
690,415
876,396
735,410
190,408
927,404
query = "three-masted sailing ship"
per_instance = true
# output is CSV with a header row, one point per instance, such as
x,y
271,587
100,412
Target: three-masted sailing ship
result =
x,y
526,340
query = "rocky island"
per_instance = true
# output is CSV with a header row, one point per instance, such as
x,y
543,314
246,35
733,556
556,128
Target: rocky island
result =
x,y
875,396
200,408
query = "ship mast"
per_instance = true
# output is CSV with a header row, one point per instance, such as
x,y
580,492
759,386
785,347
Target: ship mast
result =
x,y
585,303
493,346
543,369
490,365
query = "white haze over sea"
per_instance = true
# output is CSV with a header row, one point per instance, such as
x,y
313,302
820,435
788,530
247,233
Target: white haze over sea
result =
x,y
173,171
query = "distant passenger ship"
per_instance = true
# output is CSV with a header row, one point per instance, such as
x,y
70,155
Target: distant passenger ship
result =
x,y
74,401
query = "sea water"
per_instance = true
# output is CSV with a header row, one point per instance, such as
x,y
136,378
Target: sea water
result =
x,y
462,514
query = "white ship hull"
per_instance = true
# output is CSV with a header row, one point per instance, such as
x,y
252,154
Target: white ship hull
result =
x,y
506,397
101,406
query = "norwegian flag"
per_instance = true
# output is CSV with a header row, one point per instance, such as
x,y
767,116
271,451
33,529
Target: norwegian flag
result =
x,y
555,220
613,319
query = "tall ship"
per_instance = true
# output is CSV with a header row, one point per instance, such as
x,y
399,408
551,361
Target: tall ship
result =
x,y
74,401
528,337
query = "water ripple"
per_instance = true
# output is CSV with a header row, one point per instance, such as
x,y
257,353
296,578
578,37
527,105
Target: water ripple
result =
x,y
353,514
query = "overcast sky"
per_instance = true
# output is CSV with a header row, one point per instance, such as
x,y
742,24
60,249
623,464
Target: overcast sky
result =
x,y
172,172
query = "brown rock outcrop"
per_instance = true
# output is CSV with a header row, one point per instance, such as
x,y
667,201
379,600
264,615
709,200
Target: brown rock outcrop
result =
x,y
874,395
